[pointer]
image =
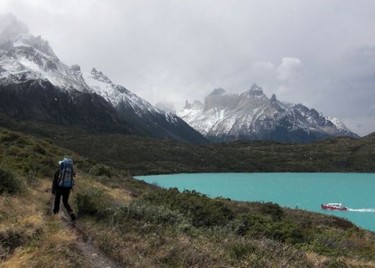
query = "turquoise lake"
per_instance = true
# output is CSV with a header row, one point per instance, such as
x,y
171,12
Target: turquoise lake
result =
x,y
295,190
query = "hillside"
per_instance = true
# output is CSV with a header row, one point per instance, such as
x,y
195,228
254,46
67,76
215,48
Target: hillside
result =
x,y
139,225
149,156
140,155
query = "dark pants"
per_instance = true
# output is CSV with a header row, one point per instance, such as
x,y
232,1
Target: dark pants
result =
x,y
65,197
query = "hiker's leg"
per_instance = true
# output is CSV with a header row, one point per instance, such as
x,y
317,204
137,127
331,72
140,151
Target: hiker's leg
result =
x,y
56,206
67,206
65,198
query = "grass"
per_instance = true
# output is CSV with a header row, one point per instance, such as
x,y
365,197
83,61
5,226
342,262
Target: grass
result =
x,y
141,225
31,238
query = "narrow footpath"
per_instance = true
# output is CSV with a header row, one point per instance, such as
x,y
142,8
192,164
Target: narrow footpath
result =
x,y
93,255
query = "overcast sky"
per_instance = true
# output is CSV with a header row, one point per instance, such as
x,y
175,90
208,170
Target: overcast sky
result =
x,y
317,52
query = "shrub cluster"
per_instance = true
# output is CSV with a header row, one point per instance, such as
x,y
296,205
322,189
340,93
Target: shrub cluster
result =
x,y
9,183
10,240
192,212
142,210
189,208
202,210
93,202
100,170
272,209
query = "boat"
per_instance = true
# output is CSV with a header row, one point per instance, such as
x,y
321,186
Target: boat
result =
x,y
333,206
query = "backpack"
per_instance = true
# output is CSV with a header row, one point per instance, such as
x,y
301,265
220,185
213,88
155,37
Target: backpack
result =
x,y
66,174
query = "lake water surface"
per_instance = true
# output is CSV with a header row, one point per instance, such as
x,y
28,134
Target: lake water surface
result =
x,y
295,190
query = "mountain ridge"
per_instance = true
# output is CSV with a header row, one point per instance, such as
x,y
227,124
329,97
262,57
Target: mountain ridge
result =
x,y
28,63
251,115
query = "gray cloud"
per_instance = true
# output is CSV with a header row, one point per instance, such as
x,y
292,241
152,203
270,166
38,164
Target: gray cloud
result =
x,y
320,53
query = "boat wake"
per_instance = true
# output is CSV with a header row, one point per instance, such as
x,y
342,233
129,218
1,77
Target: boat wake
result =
x,y
369,210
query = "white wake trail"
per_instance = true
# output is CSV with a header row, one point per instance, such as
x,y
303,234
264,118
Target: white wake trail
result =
x,y
371,210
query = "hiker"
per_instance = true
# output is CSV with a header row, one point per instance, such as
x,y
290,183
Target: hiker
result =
x,y
63,182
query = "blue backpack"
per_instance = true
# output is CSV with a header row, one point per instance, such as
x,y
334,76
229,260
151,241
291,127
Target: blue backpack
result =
x,y
66,174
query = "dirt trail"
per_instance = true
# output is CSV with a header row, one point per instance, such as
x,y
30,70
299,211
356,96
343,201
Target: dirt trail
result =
x,y
83,243
93,255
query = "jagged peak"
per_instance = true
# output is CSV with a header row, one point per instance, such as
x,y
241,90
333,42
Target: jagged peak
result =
x,y
97,75
255,90
196,105
187,105
39,43
218,92
273,98
11,27
75,68
14,33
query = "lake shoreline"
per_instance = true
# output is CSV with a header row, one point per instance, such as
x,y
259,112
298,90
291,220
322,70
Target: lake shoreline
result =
x,y
306,191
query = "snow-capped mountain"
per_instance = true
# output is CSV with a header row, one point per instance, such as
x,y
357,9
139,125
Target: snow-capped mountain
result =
x,y
137,111
251,115
36,85
24,57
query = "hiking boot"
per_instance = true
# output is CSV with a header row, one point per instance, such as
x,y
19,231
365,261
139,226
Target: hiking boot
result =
x,y
72,216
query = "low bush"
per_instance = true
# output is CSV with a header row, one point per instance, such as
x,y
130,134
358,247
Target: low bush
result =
x,y
239,250
141,210
284,232
93,202
152,213
9,241
100,170
274,210
9,136
37,148
9,183
203,211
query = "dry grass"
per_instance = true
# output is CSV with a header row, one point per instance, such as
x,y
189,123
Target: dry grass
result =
x,y
323,261
165,248
31,237
120,194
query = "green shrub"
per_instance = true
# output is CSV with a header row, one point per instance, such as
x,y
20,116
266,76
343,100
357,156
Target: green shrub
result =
x,y
241,250
239,226
273,209
9,136
142,210
341,223
15,151
284,232
45,167
92,202
9,183
39,149
203,211
100,170
335,263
